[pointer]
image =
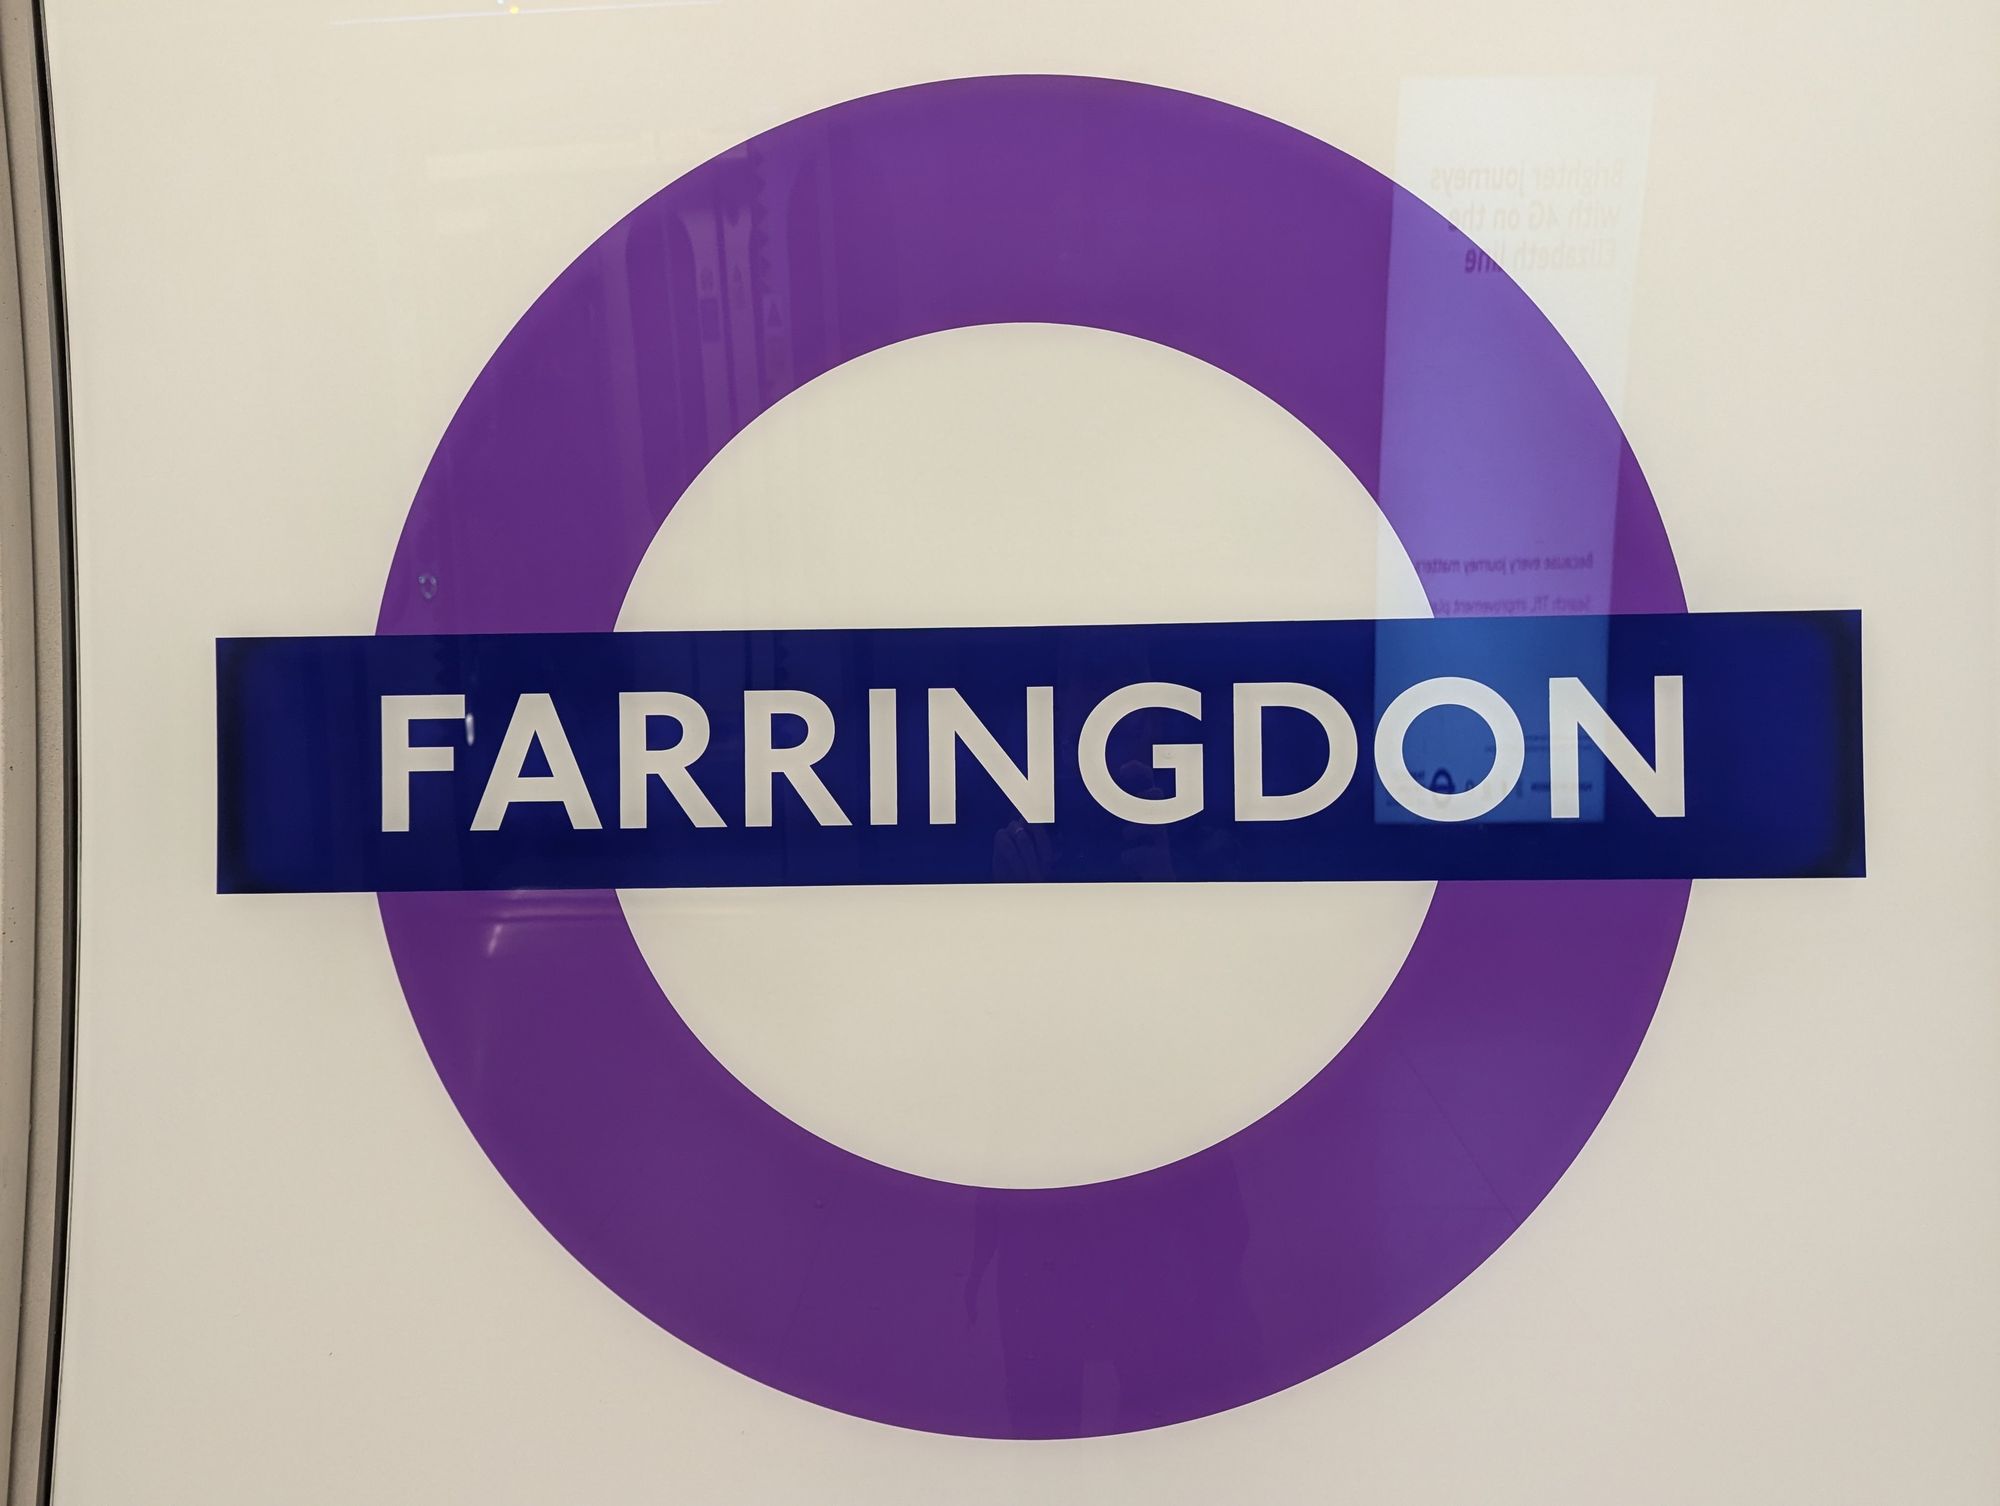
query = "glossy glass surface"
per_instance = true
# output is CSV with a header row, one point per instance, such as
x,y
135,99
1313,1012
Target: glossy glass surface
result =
x,y
1097,1143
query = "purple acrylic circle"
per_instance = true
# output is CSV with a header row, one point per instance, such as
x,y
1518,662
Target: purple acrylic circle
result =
x,y
1021,1313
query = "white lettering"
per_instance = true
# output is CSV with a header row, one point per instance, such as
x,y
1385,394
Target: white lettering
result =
x,y
400,760
638,762
1509,749
1661,784
763,763
881,758
535,721
952,722
1182,760
1343,751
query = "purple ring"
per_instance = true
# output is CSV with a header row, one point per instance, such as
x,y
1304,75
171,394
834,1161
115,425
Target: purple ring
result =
x,y
1020,1313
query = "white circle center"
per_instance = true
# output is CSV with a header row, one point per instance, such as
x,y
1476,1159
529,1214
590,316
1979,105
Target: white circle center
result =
x,y
1023,1035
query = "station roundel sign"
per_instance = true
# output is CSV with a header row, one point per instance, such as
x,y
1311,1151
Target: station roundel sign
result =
x,y
1190,1288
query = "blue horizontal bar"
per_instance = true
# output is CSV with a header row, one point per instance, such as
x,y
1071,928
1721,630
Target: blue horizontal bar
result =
x,y
1771,716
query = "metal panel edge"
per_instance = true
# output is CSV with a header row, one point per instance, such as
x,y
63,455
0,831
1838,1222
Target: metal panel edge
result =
x,y
37,787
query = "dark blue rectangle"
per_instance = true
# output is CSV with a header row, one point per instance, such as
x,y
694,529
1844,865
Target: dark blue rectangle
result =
x,y
1772,705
